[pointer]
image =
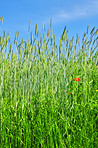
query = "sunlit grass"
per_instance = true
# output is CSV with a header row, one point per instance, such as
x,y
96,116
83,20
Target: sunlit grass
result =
x,y
48,100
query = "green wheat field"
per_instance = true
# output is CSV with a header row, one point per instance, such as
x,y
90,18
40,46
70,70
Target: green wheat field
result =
x,y
49,91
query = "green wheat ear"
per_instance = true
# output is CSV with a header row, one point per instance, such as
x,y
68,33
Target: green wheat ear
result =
x,y
1,19
96,32
50,23
36,30
43,27
87,29
29,26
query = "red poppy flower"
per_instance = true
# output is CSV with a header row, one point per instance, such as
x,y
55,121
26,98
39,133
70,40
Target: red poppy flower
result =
x,y
71,93
77,79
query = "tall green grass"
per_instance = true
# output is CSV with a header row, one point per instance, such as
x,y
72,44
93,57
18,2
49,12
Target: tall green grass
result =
x,y
41,104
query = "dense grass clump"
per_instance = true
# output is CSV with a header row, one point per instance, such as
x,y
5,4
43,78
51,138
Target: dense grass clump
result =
x,y
49,100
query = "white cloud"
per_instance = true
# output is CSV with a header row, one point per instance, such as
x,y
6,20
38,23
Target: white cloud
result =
x,y
77,12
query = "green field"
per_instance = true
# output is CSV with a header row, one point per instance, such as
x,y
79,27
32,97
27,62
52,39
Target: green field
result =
x,y
49,92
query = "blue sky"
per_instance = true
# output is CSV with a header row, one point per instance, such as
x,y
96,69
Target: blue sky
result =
x,y
75,14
